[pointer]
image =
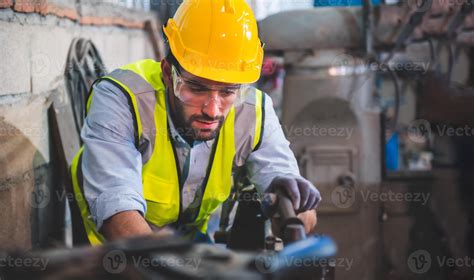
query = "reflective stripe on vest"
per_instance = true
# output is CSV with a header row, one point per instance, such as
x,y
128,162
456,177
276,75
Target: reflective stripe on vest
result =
x,y
142,83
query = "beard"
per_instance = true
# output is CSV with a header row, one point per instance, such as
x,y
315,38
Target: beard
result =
x,y
189,132
200,134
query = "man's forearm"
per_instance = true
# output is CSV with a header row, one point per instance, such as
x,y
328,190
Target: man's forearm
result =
x,y
124,225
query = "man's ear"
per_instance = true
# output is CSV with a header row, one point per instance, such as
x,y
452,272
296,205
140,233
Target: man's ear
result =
x,y
166,70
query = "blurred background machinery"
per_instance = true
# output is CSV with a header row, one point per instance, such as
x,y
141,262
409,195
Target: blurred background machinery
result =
x,y
333,122
352,96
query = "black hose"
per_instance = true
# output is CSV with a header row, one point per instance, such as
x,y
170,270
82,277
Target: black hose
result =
x,y
392,74
415,20
450,61
432,51
84,66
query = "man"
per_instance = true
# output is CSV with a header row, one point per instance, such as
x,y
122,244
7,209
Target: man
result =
x,y
162,140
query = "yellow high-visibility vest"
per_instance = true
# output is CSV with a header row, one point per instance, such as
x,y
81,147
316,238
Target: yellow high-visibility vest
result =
x,y
240,134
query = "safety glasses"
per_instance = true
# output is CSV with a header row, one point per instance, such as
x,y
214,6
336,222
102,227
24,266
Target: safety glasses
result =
x,y
197,94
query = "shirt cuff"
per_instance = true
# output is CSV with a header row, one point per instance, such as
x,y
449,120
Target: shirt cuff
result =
x,y
115,201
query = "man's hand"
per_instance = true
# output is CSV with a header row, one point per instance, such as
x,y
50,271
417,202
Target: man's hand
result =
x,y
124,225
302,193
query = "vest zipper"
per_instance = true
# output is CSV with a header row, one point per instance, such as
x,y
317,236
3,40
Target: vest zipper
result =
x,y
208,173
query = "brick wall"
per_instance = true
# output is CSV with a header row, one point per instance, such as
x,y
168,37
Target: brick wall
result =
x,y
35,37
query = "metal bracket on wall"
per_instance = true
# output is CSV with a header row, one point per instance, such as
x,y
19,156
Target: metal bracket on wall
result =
x,y
332,170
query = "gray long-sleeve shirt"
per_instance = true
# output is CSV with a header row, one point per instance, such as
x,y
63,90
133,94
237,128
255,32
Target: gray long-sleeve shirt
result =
x,y
112,166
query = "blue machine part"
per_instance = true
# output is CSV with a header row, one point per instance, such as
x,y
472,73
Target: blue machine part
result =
x,y
317,247
391,153
312,248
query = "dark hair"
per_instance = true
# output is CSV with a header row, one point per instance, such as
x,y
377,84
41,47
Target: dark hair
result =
x,y
172,59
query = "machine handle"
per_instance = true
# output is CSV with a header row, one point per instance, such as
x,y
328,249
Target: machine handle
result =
x,y
291,226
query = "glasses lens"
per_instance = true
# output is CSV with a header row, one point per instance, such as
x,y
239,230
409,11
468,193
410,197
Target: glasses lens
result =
x,y
197,94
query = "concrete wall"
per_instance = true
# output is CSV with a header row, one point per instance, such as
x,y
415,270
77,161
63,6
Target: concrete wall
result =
x,y
35,37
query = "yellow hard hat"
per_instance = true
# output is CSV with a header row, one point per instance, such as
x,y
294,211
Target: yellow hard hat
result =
x,y
217,40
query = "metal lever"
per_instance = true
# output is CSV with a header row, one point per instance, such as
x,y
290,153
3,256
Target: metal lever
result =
x,y
291,226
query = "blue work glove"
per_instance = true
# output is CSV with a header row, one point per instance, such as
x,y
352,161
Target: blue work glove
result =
x,y
302,193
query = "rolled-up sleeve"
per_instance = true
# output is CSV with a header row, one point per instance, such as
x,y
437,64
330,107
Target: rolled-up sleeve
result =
x,y
111,164
274,156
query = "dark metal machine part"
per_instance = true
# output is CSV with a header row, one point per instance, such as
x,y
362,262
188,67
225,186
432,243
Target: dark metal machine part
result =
x,y
174,258
291,226
155,258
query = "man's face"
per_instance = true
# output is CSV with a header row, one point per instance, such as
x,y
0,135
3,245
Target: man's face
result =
x,y
203,122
